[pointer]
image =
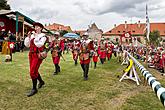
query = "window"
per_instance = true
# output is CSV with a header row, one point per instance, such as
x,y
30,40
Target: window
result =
x,y
133,31
118,31
123,31
110,31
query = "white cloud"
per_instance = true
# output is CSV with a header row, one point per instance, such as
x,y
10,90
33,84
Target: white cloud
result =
x,y
79,14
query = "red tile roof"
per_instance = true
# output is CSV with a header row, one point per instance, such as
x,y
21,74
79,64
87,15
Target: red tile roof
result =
x,y
136,30
57,27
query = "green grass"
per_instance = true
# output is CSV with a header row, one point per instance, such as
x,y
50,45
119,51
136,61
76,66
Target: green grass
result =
x,y
68,90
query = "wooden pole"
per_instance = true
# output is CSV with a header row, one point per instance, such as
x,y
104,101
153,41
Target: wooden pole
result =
x,y
17,26
23,33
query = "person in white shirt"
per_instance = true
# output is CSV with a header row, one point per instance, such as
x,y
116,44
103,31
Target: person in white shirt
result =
x,y
35,41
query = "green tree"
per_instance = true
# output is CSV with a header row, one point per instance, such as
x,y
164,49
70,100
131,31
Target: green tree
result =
x,y
155,37
4,5
63,32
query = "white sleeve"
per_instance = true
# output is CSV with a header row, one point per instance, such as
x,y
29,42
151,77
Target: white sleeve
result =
x,y
39,42
27,42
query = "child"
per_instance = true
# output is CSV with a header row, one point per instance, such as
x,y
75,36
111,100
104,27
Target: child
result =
x,y
95,58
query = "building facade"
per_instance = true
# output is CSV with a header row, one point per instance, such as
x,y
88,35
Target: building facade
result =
x,y
136,30
94,32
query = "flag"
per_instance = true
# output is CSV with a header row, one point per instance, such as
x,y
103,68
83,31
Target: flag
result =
x,y
147,24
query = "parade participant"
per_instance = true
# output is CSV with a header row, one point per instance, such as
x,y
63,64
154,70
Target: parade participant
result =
x,y
109,50
156,60
36,43
62,44
56,53
95,54
6,50
86,47
119,53
75,50
95,58
11,47
102,50
162,62
67,46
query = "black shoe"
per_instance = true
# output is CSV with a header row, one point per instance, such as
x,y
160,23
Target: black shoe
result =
x,y
41,84
59,69
33,92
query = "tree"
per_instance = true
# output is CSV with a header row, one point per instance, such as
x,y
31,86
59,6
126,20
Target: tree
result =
x,y
4,5
155,37
63,32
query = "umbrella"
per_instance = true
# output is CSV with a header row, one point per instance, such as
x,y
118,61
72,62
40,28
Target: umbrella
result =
x,y
71,35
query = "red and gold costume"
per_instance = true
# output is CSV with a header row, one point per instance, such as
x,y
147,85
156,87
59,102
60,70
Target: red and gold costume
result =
x,y
95,54
102,51
85,48
56,54
7,48
109,51
36,42
75,50
95,58
36,45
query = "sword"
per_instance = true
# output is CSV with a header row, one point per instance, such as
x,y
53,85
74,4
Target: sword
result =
x,y
62,57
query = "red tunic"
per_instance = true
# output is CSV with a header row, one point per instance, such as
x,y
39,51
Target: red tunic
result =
x,y
162,61
109,54
109,51
75,48
85,49
34,61
57,48
9,45
62,45
95,57
102,53
102,50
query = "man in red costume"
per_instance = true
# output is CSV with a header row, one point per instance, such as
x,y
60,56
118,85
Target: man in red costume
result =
x,y
95,54
102,50
109,50
86,47
56,53
36,43
75,50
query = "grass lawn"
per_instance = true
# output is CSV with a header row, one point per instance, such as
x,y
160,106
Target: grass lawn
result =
x,y
68,90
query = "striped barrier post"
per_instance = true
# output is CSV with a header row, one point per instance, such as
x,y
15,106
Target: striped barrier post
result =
x,y
156,86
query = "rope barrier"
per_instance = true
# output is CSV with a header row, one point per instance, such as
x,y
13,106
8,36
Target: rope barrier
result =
x,y
155,85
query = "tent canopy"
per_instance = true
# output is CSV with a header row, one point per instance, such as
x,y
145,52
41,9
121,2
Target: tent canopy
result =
x,y
15,15
71,35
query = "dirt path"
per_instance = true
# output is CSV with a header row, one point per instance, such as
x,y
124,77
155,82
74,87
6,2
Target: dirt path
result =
x,y
117,102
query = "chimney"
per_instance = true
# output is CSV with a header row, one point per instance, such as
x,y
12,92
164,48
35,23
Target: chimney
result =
x,y
125,24
138,24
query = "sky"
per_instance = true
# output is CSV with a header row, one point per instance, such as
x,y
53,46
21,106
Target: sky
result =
x,y
80,13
